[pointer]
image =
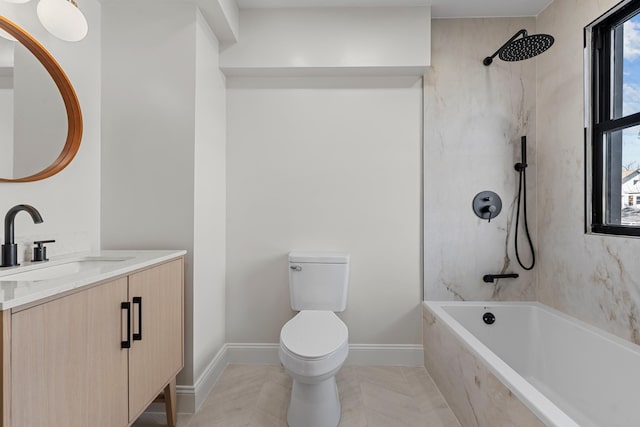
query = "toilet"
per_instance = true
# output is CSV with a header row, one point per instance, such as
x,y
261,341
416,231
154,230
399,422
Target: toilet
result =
x,y
315,343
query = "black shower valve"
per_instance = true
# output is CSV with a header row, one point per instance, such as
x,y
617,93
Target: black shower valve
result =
x,y
487,205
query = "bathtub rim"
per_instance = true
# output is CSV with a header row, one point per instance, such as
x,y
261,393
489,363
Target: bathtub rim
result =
x,y
531,397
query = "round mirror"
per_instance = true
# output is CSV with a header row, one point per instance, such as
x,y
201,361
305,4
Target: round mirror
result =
x,y
40,117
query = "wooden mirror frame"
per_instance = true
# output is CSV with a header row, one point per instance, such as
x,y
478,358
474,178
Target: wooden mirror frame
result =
x,y
69,97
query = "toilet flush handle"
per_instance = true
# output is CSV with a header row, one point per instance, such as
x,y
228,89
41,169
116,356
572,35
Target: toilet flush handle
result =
x,y
296,268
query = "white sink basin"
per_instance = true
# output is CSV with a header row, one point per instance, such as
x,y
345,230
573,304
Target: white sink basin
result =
x,y
55,271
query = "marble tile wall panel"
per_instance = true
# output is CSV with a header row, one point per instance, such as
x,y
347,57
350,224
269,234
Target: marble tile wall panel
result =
x,y
591,277
474,118
476,396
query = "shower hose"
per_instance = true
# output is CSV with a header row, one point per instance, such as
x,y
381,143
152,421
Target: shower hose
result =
x,y
522,197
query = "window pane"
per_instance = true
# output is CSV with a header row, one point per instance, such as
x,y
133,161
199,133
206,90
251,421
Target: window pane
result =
x,y
622,166
626,68
615,67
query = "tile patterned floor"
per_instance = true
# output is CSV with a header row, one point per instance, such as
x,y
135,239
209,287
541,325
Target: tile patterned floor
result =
x,y
371,396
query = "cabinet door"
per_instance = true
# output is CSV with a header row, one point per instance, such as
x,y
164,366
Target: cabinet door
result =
x,y
157,356
108,365
66,362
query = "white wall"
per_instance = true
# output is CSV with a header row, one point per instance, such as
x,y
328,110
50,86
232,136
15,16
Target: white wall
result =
x,y
315,41
209,237
222,16
148,135
324,164
163,154
148,125
591,277
474,118
69,201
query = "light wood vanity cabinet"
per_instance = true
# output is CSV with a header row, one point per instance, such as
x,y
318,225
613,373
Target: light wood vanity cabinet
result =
x,y
157,357
67,367
67,364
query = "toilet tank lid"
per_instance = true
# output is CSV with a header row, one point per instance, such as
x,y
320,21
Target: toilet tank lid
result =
x,y
319,257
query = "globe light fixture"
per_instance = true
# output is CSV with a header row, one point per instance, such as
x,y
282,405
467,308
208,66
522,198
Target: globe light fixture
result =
x,y
63,19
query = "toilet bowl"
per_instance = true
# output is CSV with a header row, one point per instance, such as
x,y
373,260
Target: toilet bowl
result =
x,y
313,348
315,343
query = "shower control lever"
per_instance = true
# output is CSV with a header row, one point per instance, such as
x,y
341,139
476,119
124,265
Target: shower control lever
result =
x,y
491,209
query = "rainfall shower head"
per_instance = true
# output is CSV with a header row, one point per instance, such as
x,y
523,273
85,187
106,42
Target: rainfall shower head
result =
x,y
526,47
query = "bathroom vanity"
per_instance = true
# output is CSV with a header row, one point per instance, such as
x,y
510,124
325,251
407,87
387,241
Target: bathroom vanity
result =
x,y
91,340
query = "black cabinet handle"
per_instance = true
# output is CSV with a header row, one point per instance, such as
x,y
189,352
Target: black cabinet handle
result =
x,y
138,336
127,306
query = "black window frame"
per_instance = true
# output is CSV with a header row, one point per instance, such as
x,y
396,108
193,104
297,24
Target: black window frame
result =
x,y
603,35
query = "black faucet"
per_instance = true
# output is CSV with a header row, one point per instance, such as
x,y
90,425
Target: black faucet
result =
x,y
10,248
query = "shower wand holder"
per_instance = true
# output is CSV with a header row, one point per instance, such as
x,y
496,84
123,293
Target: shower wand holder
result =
x,y
487,205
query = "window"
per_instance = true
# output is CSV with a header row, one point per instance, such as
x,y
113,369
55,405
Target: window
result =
x,y
615,119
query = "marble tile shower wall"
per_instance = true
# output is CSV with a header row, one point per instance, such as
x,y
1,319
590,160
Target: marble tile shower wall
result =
x,y
591,277
474,118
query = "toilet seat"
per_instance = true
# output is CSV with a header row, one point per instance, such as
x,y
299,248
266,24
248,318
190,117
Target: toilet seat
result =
x,y
314,335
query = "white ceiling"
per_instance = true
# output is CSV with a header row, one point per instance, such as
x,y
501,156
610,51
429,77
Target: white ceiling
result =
x,y
439,8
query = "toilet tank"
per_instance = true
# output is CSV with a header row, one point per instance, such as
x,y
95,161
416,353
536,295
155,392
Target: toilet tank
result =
x,y
318,281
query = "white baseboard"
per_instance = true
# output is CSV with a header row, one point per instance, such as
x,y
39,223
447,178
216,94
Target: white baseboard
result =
x,y
386,354
253,353
190,398
359,354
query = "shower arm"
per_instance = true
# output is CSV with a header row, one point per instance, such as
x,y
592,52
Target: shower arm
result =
x,y
489,59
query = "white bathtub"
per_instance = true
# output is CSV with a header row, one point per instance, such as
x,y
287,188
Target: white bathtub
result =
x,y
567,373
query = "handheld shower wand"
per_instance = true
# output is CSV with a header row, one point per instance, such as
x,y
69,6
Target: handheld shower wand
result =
x,y
521,168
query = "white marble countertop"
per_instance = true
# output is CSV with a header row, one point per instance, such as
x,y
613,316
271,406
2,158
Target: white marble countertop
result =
x,y
72,272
